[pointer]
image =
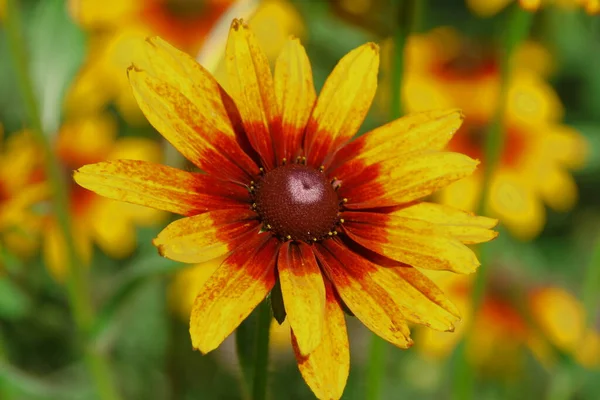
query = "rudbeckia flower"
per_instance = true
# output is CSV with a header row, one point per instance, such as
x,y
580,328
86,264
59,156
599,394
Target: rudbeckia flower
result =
x,y
81,142
538,151
487,8
286,197
511,320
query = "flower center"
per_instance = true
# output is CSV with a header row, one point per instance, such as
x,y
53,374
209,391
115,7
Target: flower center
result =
x,y
297,202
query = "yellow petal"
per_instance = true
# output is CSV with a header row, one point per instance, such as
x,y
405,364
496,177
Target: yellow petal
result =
x,y
516,204
401,180
241,282
565,145
559,315
557,188
326,368
343,103
303,293
251,87
159,186
428,130
115,236
409,241
462,225
295,94
187,283
203,237
189,108
372,303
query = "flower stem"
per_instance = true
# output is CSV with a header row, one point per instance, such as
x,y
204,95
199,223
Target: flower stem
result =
x,y
263,324
5,391
516,30
406,17
77,287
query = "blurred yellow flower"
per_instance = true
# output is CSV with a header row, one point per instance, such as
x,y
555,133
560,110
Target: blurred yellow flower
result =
x,y
20,189
115,26
447,70
93,218
487,8
507,324
182,22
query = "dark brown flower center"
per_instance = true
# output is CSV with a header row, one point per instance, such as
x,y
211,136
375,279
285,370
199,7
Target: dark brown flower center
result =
x,y
297,202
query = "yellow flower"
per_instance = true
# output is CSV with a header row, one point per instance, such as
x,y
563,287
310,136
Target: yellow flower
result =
x,y
563,320
446,70
287,197
546,317
486,8
110,224
117,25
21,188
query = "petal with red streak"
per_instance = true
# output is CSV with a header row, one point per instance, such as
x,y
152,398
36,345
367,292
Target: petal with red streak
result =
x,y
231,293
372,303
410,241
160,187
190,109
206,236
326,368
428,130
251,87
295,94
343,103
399,181
462,225
303,293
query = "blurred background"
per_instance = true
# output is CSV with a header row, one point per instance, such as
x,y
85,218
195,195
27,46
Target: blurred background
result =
x,y
528,81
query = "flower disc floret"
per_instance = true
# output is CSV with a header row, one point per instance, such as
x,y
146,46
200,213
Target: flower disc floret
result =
x,y
297,202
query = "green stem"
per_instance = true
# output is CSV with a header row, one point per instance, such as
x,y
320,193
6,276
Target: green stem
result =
x,y
376,371
591,286
77,287
517,29
263,324
5,391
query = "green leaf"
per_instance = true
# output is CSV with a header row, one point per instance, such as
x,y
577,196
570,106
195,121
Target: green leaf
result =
x,y
57,49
